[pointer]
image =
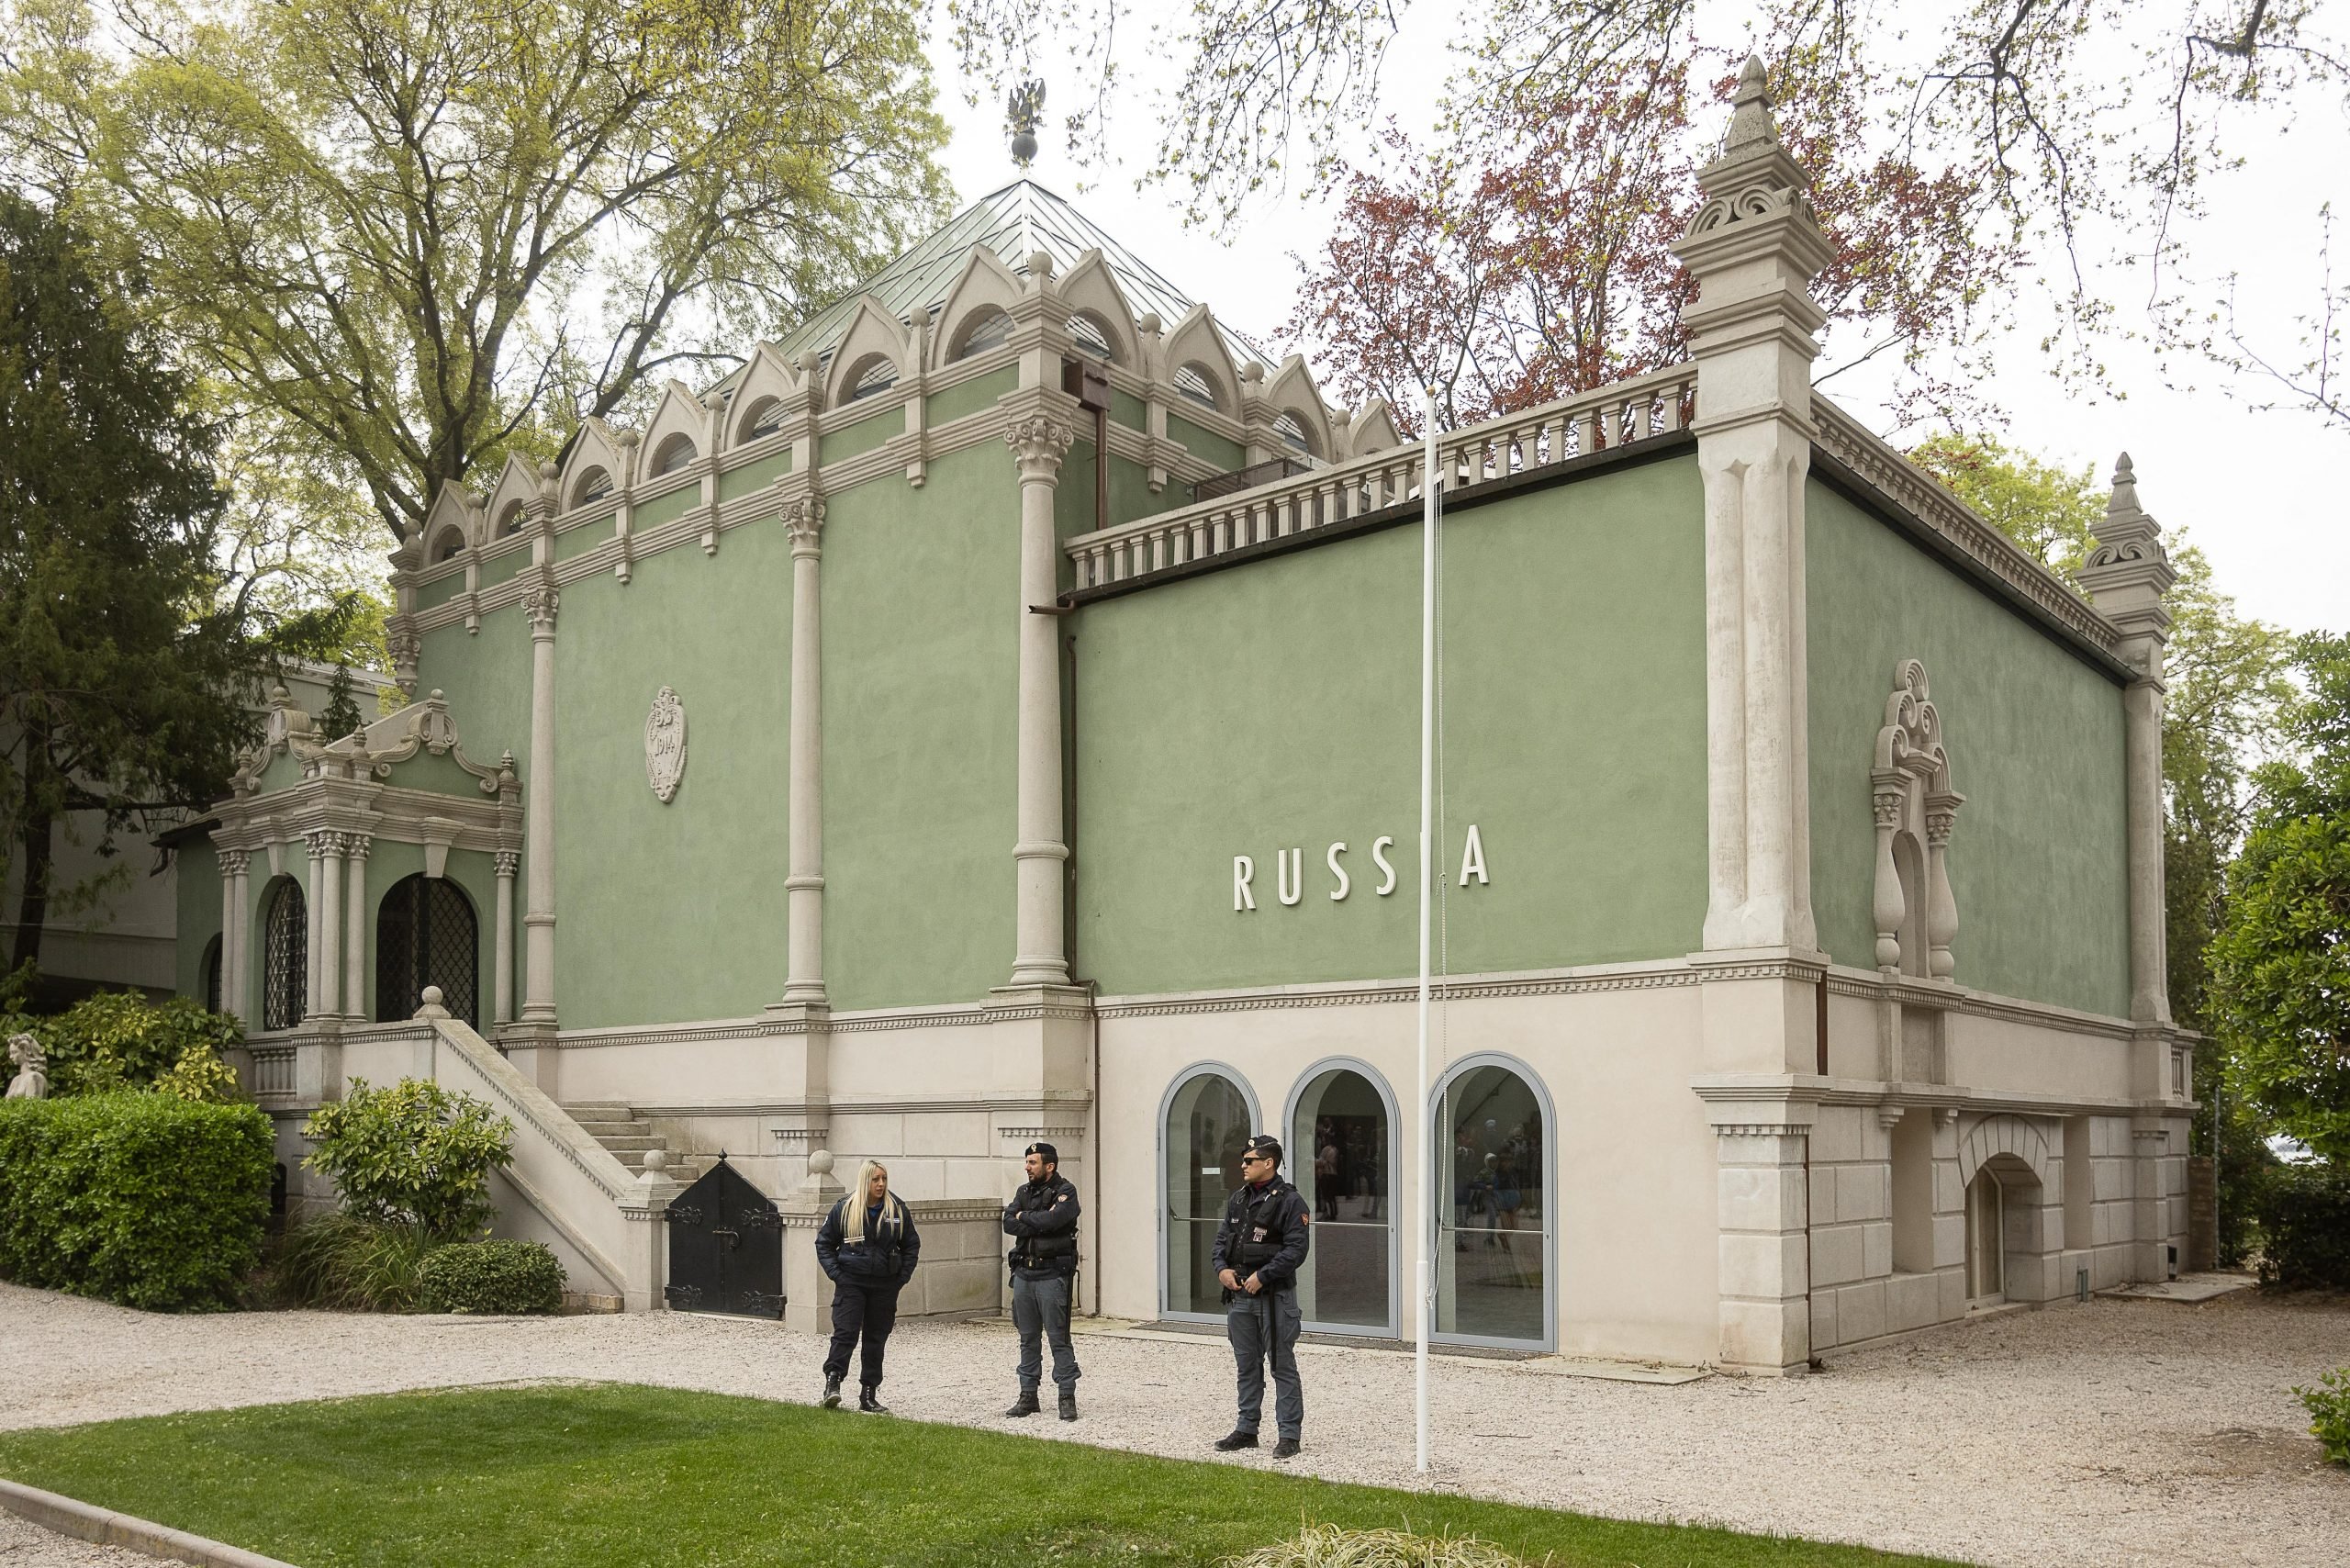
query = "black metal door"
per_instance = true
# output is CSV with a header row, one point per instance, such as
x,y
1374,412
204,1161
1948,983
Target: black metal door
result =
x,y
725,1247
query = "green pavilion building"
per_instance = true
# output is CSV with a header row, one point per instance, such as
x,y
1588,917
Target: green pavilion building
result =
x,y
993,713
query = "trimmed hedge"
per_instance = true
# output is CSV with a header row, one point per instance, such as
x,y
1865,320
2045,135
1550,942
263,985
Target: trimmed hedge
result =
x,y
490,1276
2305,1229
144,1199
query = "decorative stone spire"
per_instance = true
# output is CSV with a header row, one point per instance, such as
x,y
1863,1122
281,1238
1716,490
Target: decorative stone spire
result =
x,y
2130,571
1750,120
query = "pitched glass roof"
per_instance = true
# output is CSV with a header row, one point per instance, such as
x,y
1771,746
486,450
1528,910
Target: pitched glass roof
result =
x,y
1022,218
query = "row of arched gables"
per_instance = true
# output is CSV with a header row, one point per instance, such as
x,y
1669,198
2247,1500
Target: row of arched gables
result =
x,y
426,934
1085,313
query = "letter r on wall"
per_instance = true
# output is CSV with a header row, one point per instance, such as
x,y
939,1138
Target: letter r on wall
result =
x,y
1242,869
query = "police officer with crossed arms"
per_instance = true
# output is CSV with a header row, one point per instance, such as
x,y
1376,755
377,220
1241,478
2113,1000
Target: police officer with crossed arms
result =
x,y
1041,1219
1258,1249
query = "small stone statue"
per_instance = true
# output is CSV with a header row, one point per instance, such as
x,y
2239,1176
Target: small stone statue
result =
x,y
30,1082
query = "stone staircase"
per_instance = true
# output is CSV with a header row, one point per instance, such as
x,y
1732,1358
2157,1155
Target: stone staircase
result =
x,y
630,1136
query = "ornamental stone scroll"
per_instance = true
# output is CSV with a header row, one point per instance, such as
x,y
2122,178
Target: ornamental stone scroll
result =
x,y
665,745
1914,807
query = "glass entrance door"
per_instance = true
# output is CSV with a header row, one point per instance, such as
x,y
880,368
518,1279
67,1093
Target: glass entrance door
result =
x,y
1339,1155
1492,1213
1208,1127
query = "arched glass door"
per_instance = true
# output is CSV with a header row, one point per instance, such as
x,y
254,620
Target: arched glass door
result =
x,y
1338,1151
1208,1123
1493,1209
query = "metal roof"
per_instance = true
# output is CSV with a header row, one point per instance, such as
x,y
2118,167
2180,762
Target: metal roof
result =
x,y
1022,218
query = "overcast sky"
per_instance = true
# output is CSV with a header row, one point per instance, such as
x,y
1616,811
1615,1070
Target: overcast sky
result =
x,y
2261,493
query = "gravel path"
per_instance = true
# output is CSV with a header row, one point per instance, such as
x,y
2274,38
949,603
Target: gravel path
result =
x,y
2122,1431
24,1544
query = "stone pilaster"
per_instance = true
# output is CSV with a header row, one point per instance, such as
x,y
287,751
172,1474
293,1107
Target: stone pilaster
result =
x,y
1752,250
233,863
355,847
2126,576
807,1295
1040,854
540,602
314,942
804,883
508,862
1764,1198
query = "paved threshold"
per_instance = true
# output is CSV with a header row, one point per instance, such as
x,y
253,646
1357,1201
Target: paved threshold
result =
x,y
85,1521
2191,1289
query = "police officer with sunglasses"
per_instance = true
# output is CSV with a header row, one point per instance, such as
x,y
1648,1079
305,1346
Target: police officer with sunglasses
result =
x,y
1258,1249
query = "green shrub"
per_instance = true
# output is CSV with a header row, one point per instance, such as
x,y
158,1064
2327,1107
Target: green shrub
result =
x,y
2305,1229
2329,1408
412,1154
143,1199
361,1265
118,1040
490,1276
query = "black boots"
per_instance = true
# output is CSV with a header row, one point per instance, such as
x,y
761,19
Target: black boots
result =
x,y
1236,1440
1285,1449
868,1404
1069,1405
831,1393
1023,1405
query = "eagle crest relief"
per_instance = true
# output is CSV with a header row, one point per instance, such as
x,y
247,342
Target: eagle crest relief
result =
x,y
665,745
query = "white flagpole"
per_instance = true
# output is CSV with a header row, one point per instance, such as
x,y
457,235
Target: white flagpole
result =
x,y
1421,1263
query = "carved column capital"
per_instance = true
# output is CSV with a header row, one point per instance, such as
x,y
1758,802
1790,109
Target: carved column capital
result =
x,y
510,862
803,517
1886,798
321,842
1039,444
234,861
541,602
1941,816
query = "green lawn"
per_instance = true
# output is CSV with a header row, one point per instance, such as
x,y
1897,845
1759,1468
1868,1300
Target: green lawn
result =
x,y
616,1475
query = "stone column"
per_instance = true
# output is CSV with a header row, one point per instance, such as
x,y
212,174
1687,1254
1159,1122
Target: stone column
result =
x,y
1039,444
326,960
232,930
1752,250
1764,1272
804,882
542,603
314,953
355,930
2127,576
502,980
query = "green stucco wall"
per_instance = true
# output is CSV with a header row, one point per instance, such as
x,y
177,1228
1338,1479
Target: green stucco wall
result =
x,y
664,508
1205,446
674,912
2038,863
741,481
920,702
584,537
498,568
1276,706
969,396
862,436
441,590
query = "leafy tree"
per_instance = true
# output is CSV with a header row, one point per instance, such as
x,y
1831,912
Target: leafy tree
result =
x,y
121,677
2052,513
2084,124
2280,962
417,236
1532,257
340,716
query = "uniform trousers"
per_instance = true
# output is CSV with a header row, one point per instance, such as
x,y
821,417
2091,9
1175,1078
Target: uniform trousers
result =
x,y
869,1310
1264,1328
1040,1310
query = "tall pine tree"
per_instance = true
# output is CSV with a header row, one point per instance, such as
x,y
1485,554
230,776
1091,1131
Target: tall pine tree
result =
x,y
125,684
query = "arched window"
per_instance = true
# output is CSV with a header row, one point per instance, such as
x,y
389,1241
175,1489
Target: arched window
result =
x,y
876,375
449,546
212,975
594,485
989,328
1208,1120
425,934
509,519
674,454
1091,337
1194,382
1292,432
1494,1230
1339,1153
766,418
285,957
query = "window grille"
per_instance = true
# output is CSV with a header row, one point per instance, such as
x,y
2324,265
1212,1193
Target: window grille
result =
x,y
1091,338
212,975
993,331
875,378
674,454
285,980
766,419
425,934
1194,383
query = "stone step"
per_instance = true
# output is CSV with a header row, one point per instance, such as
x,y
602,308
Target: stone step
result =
x,y
626,1144
617,1110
